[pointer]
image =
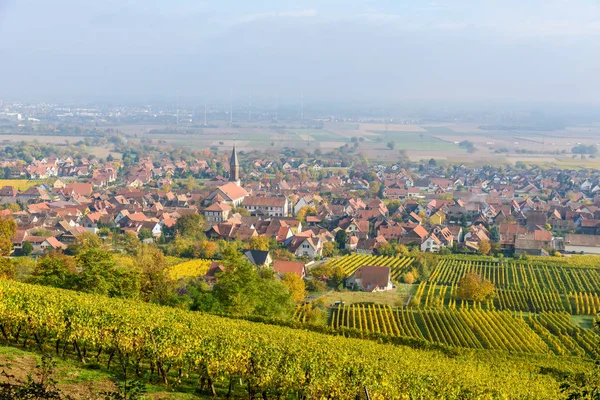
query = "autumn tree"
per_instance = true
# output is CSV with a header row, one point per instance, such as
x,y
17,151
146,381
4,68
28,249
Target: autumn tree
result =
x,y
282,254
305,212
156,285
259,243
334,274
206,249
84,242
474,287
330,249
409,277
8,227
485,247
296,286
7,268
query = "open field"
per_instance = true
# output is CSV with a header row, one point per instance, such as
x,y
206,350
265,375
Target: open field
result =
x,y
54,139
394,298
20,184
417,141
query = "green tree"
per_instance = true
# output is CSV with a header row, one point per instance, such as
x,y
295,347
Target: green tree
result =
x,y
340,239
130,243
96,266
191,226
391,145
241,291
393,206
494,233
145,233
334,274
56,269
27,248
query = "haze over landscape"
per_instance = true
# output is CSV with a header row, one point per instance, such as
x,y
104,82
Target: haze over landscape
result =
x,y
535,51
353,200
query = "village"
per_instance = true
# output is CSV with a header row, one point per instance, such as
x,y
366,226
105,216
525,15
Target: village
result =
x,y
513,212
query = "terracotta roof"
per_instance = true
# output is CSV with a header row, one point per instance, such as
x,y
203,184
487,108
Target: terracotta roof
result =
x,y
582,240
233,191
289,267
260,201
82,189
420,231
372,277
218,207
52,241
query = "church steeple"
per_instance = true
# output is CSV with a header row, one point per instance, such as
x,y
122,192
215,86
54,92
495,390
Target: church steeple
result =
x,y
234,167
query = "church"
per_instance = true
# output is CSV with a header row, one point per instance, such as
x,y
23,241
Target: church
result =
x,y
231,193
234,168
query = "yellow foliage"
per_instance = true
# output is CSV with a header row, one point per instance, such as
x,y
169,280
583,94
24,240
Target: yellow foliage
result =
x,y
19,184
123,260
191,268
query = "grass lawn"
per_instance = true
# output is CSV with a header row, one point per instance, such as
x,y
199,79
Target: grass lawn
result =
x,y
584,321
392,298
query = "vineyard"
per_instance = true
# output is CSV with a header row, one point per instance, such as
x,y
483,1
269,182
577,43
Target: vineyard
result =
x,y
191,268
473,328
519,287
183,347
530,311
398,265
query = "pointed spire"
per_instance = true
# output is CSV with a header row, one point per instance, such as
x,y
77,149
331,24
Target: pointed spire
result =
x,y
234,167
234,158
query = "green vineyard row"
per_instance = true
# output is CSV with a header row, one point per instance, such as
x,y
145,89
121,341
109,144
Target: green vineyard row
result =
x,y
398,265
510,275
530,300
473,328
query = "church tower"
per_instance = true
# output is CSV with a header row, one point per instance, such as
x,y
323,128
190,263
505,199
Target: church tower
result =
x,y
234,168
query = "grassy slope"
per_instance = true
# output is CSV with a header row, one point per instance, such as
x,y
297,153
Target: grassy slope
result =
x,y
76,380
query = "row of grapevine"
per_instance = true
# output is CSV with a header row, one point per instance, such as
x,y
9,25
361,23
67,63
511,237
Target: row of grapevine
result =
x,y
398,265
510,275
574,339
468,327
585,303
272,361
530,300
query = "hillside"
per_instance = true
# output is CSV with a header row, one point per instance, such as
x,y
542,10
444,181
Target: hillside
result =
x,y
187,347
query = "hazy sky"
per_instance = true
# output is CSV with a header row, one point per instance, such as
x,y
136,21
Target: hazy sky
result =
x,y
532,50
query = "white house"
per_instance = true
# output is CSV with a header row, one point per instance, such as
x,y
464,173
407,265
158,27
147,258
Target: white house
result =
x,y
308,247
271,206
